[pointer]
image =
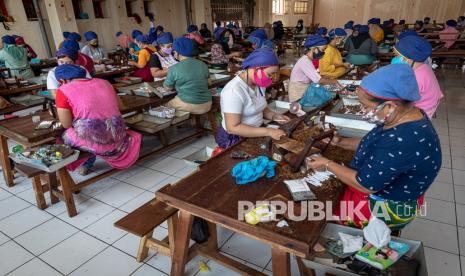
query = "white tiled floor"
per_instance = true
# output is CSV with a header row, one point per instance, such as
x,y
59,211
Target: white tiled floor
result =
x,y
34,242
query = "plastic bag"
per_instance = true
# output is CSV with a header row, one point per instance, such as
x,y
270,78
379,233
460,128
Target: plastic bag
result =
x,y
350,243
316,95
377,233
200,232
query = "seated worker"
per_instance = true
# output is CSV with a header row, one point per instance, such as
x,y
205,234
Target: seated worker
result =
x,y
217,26
82,59
426,23
268,28
92,49
15,58
398,28
123,41
21,43
349,28
193,33
387,29
323,31
461,21
300,28
76,37
243,102
133,48
65,55
375,31
220,50
304,72
419,27
204,31
331,65
414,51
163,59
397,161
65,37
190,78
450,34
142,64
361,48
89,110
259,39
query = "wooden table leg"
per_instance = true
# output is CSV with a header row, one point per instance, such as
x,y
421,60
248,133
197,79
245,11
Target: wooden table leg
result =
x,y
212,119
52,185
5,159
181,245
212,242
172,226
281,262
67,187
39,192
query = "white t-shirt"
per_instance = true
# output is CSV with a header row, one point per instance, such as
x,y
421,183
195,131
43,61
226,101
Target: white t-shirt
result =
x,y
52,82
239,98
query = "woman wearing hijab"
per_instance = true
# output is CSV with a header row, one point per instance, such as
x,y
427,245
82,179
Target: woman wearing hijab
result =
x,y
21,43
123,41
304,72
361,48
82,59
92,49
450,34
133,48
331,65
76,37
259,39
193,33
299,28
397,161
142,64
204,31
190,78
89,111
162,60
349,28
15,58
375,31
398,28
419,27
243,102
221,49
322,31
414,51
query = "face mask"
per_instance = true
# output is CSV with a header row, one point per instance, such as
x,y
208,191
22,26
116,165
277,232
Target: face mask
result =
x,y
398,60
167,51
264,81
319,54
372,117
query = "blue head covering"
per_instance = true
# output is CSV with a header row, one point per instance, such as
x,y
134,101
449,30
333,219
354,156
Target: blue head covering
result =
x,y
8,39
451,23
419,22
322,31
74,36
386,23
407,33
90,35
255,40
261,57
71,44
314,41
392,82
338,32
260,33
72,53
192,28
363,29
165,38
349,25
230,26
143,39
217,33
414,47
160,28
135,33
373,21
402,22
357,27
66,34
119,33
184,46
69,72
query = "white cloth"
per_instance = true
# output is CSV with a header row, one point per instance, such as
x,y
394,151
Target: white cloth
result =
x,y
52,82
94,53
239,98
166,62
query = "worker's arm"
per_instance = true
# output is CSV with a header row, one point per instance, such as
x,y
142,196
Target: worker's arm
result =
x,y
65,117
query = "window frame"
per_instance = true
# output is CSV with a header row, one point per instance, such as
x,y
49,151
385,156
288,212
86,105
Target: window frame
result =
x,y
101,8
301,2
28,11
278,7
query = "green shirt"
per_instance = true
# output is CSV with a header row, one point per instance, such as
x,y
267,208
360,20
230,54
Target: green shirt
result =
x,y
15,58
190,79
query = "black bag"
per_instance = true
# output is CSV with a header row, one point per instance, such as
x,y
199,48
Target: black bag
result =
x,y
199,232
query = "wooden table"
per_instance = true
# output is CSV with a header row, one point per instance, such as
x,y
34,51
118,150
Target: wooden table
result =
x,y
113,73
449,54
212,194
22,89
44,63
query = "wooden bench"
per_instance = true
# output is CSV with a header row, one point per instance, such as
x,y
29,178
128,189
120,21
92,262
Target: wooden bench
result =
x,y
143,221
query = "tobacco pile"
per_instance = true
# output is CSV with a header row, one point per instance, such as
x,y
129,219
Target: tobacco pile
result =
x,y
351,109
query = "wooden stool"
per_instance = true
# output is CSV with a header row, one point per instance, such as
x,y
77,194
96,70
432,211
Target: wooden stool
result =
x,y
211,118
143,221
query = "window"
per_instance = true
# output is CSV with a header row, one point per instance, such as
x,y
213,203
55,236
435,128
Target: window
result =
x,y
98,8
30,10
148,4
300,7
77,7
130,7
278,7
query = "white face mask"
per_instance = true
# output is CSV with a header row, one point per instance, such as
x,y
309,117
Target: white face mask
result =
x,y
372,115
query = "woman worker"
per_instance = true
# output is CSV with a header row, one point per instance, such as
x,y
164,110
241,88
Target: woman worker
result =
x,y
142,64
190,79
21,43
450,34
15,58
361,48
376,32
193,33
243,102
89,110
162,60
414,51
221,49
304,72
397,161
92,49
331,64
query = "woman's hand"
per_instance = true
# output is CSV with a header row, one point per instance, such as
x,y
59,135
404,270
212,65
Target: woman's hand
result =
x,y
335,141
317,163
276,134
132,62
280,119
